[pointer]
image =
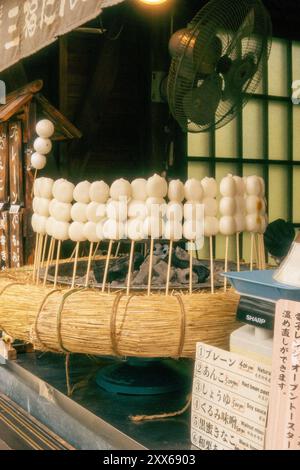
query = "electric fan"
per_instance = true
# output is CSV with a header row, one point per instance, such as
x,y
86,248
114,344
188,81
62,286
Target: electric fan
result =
x,y
217,62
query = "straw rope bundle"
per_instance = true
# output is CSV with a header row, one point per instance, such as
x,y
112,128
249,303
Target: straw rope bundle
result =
x,y
87,321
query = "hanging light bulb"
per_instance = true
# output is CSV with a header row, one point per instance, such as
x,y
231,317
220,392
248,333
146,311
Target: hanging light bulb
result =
x,y
153,2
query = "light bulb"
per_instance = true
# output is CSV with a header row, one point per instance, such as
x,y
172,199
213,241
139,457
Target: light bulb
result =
x,y
153,2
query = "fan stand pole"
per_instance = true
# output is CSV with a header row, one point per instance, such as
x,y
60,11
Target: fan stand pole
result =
x,y
37,237
40,249
75,265
150,265
169,267
51,247
89,264
251,251
57,263
226,262
107,265
238,263
130,267
191,270
212,268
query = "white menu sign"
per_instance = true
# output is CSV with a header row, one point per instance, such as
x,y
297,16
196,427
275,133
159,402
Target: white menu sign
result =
x,y
230,401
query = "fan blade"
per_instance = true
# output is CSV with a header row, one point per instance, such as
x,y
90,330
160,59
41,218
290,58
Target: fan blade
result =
x,y
245,30
200,104
239,73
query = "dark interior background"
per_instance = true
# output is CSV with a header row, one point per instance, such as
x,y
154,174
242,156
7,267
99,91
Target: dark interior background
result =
x,y
102,83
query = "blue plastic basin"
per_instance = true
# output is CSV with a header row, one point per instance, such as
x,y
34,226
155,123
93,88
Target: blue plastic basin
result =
x,y
261,284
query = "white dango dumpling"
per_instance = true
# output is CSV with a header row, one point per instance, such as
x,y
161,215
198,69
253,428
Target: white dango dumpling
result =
x,y
210,206
253,222
117,210
135,229
113,230
211,226
210,187
193,190
153,227
254,204
157,186
60,230
61,211
99,192
37,187
253,186
78,212
227,225
176,191
99,229
63,190
240,204
193,229
139,189
82,192
174,211
42,146
156,206
193,210
95,212
90,232
137,209
173,230
49,226
42,206
239,185
38,161
228,186
46,187
45,128
76,232
38,223
35,203
120,189
228,206
52,205
240,223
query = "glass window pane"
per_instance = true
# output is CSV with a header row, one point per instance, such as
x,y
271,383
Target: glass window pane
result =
x,y
296,114
278,84
278,192
296,189
253,114
252,169
198,170
296,60
199,144
226,140
278,131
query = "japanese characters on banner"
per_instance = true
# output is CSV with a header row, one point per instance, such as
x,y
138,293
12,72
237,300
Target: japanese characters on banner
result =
x,y
16,163
3,163
4,240
230,401
16,237
284,412
29,25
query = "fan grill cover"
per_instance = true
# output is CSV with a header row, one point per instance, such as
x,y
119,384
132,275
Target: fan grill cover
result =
x,y
218,63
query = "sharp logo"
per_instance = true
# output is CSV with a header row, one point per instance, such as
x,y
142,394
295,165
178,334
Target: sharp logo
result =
x,y
2,92
296,92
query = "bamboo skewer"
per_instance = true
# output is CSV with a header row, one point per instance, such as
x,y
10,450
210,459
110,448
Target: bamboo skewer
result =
x,y
251,251
44,251
212,274
169,267
238,262
57,262
107,264
35,256
40,249
130,267
50,257
89,264
118,249
75,264
256,253
150,266
226,262
96,249
191,270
